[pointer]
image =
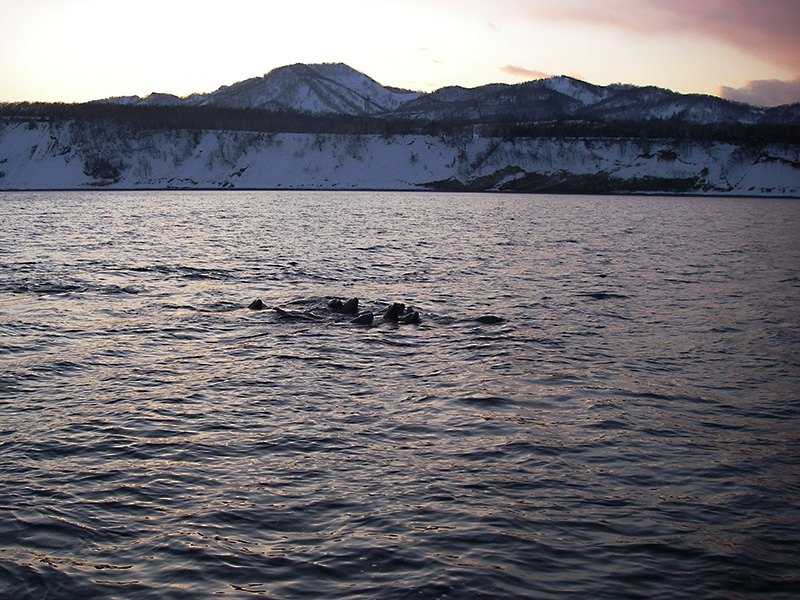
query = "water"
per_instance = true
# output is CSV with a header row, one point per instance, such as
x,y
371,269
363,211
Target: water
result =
x,y
630,430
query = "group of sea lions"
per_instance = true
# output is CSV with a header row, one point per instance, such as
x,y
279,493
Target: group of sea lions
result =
x,y
397,312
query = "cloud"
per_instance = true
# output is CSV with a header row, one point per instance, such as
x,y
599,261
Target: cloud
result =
x,y
767,29
522,72
764,92
429,51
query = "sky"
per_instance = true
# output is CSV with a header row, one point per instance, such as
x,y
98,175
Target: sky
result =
x,y
80,50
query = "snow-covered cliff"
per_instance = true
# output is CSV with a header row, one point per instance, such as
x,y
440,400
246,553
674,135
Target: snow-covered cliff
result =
x,y
46,155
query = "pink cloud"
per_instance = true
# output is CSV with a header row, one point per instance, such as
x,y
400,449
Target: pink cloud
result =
x,y
767,29
522,72
764,92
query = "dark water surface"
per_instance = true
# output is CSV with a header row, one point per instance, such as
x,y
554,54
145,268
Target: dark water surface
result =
x,y
630,430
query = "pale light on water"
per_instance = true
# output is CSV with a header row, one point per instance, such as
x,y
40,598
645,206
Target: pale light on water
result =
x,y
629,430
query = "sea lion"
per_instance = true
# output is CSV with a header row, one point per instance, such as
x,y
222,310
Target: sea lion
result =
x,y
256,304
348,308
364,318
490,319
602,295
394,311
399,313
410,317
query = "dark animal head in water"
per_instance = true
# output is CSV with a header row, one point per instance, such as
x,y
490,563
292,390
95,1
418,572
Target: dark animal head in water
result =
x,y
398,313
490,319
394,311
410,317
364,318
348,308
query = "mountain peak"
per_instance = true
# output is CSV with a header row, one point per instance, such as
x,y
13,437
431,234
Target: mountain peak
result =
x,y
312,88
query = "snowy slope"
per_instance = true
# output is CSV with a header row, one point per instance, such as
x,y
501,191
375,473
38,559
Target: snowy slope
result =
x,y
69,155
584,93
323,88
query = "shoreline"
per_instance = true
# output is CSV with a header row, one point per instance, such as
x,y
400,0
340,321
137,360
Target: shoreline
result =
x,y
403,190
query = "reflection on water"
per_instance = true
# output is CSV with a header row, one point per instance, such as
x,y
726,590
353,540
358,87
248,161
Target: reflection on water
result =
x,y
627,430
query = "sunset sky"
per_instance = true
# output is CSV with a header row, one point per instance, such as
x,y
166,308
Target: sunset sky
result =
x,y
78,50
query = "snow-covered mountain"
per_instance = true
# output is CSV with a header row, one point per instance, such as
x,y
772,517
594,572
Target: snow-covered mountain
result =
x,y
315,89
340,89
561,98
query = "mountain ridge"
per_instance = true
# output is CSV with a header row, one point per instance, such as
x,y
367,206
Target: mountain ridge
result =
x,y
336,88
